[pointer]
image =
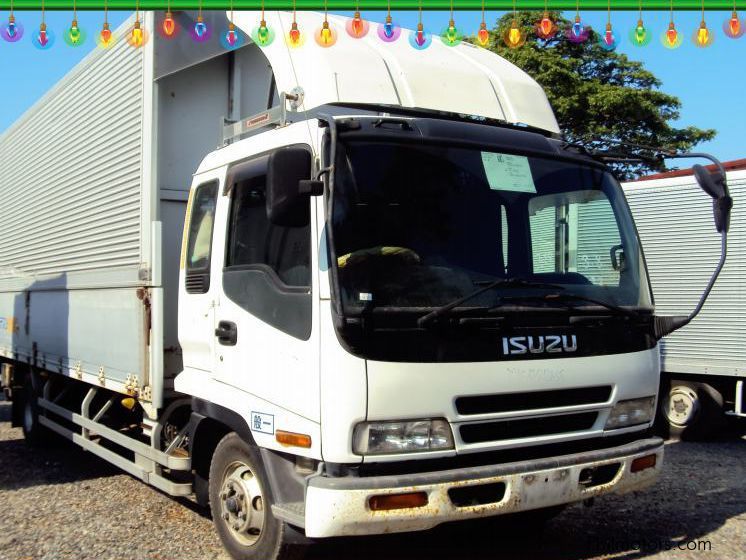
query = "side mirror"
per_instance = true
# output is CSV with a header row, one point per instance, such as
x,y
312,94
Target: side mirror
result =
x,y
288,189
713,183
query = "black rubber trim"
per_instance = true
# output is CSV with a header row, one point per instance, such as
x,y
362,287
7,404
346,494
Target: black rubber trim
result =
x,y
457,475
232,419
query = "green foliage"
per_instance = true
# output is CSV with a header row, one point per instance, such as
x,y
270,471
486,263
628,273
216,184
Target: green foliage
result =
x,y
600,98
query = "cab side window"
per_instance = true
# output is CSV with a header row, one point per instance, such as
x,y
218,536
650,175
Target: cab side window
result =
x,y
199,238
255,241
267,266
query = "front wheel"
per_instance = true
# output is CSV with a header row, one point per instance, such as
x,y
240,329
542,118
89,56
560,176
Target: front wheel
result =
x,y
694,411
240,502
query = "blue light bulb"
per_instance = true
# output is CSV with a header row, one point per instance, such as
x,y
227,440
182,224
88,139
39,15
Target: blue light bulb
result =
x,y
11,29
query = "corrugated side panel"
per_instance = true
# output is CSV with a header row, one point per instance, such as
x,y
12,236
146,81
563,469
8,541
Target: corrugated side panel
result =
x,y
674,218
70,187
597,233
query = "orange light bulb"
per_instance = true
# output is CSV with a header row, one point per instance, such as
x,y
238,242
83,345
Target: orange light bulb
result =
x,y
703,34
105,35
326,33
483,36
546,25
294,34
672,35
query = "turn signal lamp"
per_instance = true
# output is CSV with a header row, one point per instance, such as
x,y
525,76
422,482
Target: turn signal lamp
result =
x,y
291,439
386,502
642,463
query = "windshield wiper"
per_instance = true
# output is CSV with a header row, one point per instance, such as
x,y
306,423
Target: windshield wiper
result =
x,y
568,296
502,283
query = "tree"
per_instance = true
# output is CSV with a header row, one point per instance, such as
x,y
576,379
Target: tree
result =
x,y
600,97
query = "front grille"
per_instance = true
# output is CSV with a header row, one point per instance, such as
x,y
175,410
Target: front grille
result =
x,y
513,402
527,427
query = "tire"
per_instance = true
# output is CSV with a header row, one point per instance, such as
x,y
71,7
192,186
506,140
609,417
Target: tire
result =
x,y
240,502
35,434
693,411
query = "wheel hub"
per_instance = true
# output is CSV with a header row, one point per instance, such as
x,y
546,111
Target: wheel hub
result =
x,y
28,416
683,406
242,504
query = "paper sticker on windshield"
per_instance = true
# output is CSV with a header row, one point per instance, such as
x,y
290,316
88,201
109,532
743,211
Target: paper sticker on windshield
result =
x,y
507,172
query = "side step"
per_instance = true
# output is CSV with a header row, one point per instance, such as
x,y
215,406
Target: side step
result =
x,y
148,460
293,513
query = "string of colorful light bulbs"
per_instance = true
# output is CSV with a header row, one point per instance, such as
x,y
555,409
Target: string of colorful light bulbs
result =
x,y
325,36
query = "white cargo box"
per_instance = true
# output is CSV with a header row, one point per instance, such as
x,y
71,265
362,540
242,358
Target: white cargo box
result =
x,y
674,219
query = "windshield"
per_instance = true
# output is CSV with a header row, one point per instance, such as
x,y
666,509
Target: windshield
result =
x,y
419,226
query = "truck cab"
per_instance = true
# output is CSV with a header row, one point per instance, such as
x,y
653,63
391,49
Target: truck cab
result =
x,y
410,314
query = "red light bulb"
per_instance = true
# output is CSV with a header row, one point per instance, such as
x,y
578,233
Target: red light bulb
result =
x,y
419,37
169,25
735,25
546,25
43,39
357,24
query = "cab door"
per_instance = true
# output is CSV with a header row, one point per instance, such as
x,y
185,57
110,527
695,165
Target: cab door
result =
x,y
265,321
198,291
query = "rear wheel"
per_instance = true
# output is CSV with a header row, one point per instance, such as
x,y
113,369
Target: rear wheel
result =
x,y
36,435
693,411
241,500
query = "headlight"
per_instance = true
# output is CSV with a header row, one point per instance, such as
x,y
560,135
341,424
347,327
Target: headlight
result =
x,y
631,413
379,438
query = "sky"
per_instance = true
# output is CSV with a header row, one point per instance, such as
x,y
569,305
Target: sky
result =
x,y
710,82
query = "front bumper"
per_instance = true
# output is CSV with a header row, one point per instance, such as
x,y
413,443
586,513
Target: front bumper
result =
x,y
339,506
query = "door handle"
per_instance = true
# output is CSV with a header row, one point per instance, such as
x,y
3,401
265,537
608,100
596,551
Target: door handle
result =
x,y
227,333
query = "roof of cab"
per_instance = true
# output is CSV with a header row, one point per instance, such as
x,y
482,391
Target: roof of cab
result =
x,y
464,79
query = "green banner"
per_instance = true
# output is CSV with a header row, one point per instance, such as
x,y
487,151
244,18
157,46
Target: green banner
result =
x,y
339,5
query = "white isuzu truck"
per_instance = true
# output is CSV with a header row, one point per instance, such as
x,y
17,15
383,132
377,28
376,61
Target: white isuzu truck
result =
x,y
382,315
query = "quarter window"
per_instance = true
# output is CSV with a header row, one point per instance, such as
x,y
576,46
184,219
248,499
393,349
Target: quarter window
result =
x,y
199,244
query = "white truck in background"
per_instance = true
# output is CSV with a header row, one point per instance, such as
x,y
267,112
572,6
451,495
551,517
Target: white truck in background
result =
x,y
381,316
703,366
